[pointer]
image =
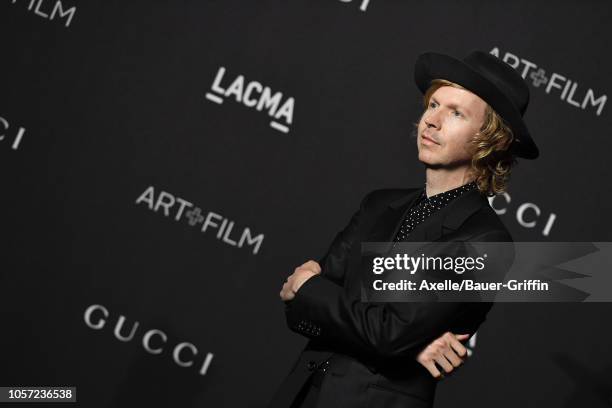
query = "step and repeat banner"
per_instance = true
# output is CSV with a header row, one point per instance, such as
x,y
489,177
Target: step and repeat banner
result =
x,y
166,165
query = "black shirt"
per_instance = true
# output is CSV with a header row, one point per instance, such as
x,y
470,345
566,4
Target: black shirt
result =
x,y
425,206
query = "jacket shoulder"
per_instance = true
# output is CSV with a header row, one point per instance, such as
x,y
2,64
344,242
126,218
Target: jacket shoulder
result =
x,y
486,225
383,196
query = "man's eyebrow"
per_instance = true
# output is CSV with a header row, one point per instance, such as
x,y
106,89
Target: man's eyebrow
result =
x,y
454,106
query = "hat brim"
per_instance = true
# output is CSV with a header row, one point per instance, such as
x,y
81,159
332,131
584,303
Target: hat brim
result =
x,y
432,65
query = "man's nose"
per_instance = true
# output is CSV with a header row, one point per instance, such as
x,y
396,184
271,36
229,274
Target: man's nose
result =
x,y
433,120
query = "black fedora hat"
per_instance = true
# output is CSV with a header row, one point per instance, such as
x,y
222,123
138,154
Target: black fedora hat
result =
x,y
490,78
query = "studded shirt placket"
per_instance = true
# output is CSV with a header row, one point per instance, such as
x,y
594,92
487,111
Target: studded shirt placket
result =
x,y
425,206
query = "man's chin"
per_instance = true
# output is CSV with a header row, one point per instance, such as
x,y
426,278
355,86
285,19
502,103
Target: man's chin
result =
x,y
430,162
436,164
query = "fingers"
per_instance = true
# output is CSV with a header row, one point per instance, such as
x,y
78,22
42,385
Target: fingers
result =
x,y
312,265
453,358
433,370
443,362
444,354
286,292
456,345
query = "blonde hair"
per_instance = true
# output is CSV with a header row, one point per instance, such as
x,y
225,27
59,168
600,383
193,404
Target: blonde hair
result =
x,y
492,160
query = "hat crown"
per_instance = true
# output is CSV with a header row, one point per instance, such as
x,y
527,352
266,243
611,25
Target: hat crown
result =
x,y
496,82
503,76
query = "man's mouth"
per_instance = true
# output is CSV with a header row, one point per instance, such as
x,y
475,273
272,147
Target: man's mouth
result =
x,y
428,140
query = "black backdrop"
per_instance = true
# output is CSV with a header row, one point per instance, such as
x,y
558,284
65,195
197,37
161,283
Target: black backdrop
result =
x,y
133,134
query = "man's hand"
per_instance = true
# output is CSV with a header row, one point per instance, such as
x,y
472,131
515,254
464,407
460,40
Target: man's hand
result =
x,y
300,275
446,350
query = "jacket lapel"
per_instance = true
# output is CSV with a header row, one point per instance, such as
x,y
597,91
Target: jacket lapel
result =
x,y
447,219
387,225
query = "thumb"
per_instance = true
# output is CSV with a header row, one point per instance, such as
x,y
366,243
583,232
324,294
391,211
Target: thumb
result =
x,y
462,336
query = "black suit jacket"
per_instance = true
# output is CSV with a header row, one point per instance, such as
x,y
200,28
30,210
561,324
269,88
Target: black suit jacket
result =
x,y
372,347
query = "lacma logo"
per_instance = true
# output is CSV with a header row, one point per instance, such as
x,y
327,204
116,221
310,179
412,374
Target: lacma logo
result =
x,y
182,209
554,83
254,95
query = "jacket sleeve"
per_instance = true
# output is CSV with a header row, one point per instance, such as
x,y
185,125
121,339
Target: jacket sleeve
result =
x,y
321,309
334,262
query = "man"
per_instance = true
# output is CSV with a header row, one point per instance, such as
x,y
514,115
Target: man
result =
x,y
371,354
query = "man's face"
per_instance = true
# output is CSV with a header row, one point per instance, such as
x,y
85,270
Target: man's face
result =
x,y
450,121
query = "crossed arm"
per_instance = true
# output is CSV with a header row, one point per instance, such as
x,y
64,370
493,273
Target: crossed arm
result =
x,y
446,352
313,293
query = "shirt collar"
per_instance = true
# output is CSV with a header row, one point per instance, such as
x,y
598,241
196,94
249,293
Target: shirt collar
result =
x,y
446,196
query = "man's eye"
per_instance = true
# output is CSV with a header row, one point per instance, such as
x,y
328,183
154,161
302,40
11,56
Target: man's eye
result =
x,y
458,114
